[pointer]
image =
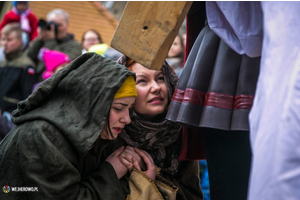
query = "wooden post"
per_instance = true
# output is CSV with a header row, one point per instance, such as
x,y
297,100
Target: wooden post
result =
x,y
147,29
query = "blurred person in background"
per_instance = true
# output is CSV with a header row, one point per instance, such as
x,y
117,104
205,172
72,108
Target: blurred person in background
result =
x,y
22,14
57,38
175,56
17,74
90,38
92,42
184,39
54,61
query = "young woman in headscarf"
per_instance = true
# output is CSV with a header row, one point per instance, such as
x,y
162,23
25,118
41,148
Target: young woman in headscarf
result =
x,y
150,131
58,150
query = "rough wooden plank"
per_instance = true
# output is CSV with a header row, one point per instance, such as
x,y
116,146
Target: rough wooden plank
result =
x,y
147,30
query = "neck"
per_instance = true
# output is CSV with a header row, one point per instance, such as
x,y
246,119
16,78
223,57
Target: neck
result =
x,y
67,36
14,54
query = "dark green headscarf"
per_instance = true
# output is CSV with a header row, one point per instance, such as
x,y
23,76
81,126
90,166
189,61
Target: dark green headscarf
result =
x,y
76,99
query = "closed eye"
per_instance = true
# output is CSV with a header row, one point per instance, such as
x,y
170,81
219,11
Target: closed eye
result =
x,y
140,81
117,109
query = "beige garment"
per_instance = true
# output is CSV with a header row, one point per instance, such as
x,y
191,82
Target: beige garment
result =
x,y
143,188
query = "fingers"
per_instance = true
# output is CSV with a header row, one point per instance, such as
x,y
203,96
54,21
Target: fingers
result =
x,y
136,164
151,169
126,163
130,150
52,27
47,34
143,154
115,154
129,153
115,161
53,33
147,158
129,164
118,151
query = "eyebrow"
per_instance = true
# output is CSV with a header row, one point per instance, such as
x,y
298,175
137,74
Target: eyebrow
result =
x,y
143,75
159,73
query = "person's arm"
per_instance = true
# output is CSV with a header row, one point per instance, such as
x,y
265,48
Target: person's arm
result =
x,y
118,166
50,162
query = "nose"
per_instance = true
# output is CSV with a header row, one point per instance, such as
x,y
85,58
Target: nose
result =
x,y
155,87
126,117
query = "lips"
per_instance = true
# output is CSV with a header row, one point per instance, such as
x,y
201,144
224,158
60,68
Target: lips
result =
x,y
118,129
156,99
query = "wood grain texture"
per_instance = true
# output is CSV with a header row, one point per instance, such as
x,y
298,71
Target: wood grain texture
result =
x,y
147,29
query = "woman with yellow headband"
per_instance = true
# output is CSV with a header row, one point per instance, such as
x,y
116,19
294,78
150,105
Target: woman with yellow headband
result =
x,y
60,146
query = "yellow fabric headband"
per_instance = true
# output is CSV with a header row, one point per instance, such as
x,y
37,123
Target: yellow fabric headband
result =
x,y
127,89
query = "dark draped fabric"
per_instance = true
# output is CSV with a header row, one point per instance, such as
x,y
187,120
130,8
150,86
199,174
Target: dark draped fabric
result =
x,y
217,86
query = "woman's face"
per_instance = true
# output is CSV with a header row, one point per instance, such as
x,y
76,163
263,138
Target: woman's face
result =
x,y
90,38
118,117
176,48
152,92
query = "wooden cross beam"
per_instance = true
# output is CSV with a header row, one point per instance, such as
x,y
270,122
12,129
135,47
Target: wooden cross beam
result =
x,y
147,29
